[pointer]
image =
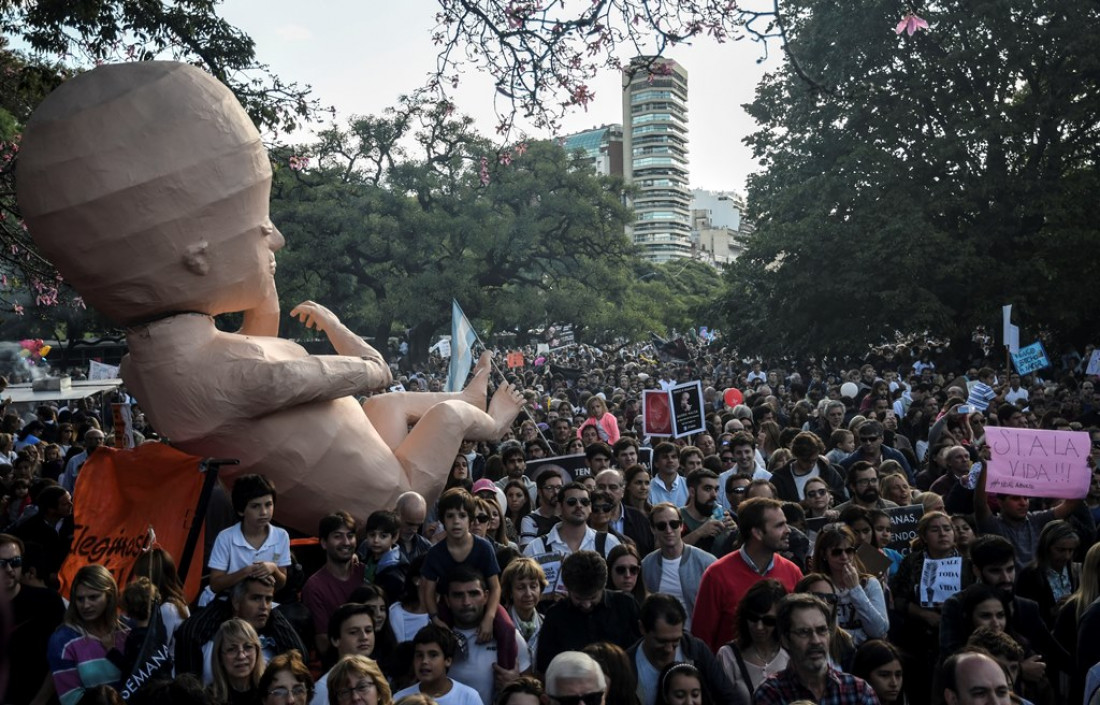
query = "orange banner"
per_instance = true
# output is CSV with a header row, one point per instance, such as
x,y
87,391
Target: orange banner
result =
x,y
120,495
515,359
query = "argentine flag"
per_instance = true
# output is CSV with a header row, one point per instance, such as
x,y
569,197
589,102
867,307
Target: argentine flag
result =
x,y
462,348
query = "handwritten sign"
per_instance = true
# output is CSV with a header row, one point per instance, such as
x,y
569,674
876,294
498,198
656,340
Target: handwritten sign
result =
x,y
515,359
1031,358
1036,463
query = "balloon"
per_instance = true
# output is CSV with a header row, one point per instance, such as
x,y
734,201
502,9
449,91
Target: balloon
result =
x,y
849,389
733,397
45,350
24,353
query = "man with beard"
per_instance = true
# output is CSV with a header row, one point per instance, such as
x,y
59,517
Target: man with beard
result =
x,y
572,534
872,450
36,612
563,433
332,585
704,530
589,614
628,521
475,663
804,629
674,568
863,488
765,533
993,560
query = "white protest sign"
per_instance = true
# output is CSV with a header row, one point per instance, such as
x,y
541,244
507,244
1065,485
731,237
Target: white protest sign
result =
x,y
1094,363
1035,463
97,370
939,580
551,566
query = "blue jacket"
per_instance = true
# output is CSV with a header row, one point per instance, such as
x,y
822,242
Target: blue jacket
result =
x,y
693,561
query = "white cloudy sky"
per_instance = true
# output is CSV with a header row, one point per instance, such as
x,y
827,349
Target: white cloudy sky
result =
x,y
360,55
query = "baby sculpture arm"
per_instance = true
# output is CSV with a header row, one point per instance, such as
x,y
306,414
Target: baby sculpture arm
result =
x,y
314,315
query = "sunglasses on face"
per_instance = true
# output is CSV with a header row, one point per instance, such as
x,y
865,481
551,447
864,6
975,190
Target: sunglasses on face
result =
x,y
626,570
574,501
867,439
673,524
602,508
15,562
727,458
766,619
814,494
838,552
481,518
737,490
588,698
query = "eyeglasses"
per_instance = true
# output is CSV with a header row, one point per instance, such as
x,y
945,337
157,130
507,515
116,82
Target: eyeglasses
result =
x,y
594,698
737,490
298,691
14,562
626,570
481,518
673,524
574,501
727,458
838,552
868,439
364,687
807,632
829,597
863,482
602,508
814,494
238,649
767,620
552,488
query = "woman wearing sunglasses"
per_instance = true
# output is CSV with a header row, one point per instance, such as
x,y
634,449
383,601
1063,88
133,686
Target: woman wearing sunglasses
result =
x,y
861,604
624,568
756,653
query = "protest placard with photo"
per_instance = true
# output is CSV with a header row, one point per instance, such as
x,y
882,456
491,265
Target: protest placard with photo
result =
x,y
656,414
687,409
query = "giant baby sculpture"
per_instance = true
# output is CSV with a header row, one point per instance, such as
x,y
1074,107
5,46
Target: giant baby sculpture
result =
x,y
147,186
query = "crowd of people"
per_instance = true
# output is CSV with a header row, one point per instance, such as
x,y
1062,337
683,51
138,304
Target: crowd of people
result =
x,y
751,562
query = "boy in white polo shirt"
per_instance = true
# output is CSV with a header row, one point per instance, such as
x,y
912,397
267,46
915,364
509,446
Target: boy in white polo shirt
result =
x,y
433,653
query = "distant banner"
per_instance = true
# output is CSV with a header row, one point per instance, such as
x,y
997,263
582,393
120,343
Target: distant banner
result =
x,y
1093,367
1031,358
656,413
515,359
120,496
687,409
97,371
570,467
1036,463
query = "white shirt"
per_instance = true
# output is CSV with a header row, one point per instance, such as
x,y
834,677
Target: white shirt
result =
x,y
232,551
475,668
670,584
405,624
458,695
552,542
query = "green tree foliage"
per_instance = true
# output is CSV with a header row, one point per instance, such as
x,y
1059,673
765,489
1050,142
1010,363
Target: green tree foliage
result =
x,y
924,181
399,214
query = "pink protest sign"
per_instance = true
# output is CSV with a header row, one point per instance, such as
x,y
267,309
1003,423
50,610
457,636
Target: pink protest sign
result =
x,y
1037,463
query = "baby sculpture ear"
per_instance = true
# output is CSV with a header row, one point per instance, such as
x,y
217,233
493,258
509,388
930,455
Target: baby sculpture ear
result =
x,y
194,258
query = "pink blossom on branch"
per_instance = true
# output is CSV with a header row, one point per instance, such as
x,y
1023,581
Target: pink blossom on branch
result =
x,y
911,23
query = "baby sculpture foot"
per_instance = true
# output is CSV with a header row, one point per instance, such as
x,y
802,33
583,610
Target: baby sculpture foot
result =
x,y
505,406
476,390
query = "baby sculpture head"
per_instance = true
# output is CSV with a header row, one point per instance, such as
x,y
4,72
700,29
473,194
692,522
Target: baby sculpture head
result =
x,y
147,186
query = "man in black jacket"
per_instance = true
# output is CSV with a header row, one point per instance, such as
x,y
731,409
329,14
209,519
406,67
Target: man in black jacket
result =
x,y
664,641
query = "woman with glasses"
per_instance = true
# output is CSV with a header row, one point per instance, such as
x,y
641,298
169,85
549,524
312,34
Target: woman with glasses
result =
x,y
286,680
841,647
624,567
237,662
357,680
80,649
861,604
756,652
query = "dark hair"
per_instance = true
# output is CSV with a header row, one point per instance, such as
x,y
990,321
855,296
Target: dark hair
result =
x,y
250,487
624,443
598,448
742,438
383,520
697,476
661,605
758,600
990,550
584,572
545,476
676,669
872,654
975,595
665,448
622,682
806,445
345,612
799,601
633,471
750,514
432,634
48,499
334,522
457,499
572,487
511,451
525,685
463,573
1000,644
523,510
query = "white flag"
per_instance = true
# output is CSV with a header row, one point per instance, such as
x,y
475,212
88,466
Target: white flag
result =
x,y
1011,333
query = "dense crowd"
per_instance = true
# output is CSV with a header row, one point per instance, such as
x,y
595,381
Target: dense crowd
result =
x,y
752,562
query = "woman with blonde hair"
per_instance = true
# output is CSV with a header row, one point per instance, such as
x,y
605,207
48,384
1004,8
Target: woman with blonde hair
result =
x,y
78,650
358,679
861,604
895,487
1074,608
602,419
236,664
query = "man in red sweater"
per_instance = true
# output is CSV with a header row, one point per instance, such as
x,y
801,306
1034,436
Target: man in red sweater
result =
x,y
765,533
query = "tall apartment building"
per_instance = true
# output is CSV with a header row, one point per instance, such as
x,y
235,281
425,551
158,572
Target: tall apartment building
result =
x,y
655,160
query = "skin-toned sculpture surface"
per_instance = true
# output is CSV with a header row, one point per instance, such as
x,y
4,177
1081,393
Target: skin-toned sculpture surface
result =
x,y
147,186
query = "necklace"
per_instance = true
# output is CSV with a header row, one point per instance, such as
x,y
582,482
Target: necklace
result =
x,y
767,661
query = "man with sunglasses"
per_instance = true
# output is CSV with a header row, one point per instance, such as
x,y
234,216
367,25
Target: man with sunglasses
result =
x,y
36,612
572,534
872,450
804,626
665,641
675,568
574,678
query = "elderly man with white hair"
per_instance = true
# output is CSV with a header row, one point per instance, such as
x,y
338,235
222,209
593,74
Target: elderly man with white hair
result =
x,y
573,678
